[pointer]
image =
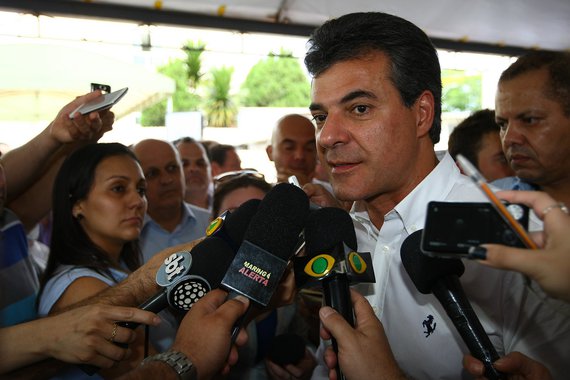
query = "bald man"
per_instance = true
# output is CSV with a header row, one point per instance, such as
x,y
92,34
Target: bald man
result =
x,y
293,148
170,220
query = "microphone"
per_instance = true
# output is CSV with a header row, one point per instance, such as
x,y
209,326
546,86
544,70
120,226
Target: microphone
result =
x,y
231,226
268,244
441,277
332,260
185,277
223,233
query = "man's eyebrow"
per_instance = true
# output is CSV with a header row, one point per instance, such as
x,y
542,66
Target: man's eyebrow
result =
x,y
347,98
357,94
315,107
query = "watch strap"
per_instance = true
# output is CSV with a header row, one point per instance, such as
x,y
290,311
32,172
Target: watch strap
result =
x,y
179,362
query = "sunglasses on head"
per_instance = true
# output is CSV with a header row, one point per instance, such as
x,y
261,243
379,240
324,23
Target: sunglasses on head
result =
x,y
227,176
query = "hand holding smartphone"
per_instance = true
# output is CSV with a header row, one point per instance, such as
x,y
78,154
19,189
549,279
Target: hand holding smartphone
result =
x,y
103,102
474,174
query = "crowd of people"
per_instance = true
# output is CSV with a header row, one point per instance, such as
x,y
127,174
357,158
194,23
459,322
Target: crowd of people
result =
x,y
117,212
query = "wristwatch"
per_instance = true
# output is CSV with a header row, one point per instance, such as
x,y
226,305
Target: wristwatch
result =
x,y
177,361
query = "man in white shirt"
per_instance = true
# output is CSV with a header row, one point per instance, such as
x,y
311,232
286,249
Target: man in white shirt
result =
x,y
376,100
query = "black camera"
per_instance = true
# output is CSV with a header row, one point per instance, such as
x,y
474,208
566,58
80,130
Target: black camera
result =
x,y
451,228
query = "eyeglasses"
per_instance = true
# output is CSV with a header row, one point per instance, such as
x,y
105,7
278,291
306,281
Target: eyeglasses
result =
x,y
228,176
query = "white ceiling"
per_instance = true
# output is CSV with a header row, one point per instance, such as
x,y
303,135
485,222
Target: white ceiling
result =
x,y
484,25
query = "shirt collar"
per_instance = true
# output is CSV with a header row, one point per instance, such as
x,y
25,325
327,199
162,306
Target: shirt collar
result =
x,y
411,210
187,213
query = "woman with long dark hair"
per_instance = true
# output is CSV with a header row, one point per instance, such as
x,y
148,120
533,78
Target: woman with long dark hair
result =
x,y
99,206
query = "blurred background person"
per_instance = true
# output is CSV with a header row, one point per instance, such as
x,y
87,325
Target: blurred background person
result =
x,y
477,138
224,158
234,188
197,172
170,220
293,149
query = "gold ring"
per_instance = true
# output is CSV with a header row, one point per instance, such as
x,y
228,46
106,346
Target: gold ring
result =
x,y
113,334
559,205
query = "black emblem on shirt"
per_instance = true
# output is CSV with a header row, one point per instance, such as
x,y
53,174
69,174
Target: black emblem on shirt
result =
x,y
427,324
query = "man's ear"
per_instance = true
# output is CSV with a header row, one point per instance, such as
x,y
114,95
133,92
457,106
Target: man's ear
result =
x,y
269,151
425,113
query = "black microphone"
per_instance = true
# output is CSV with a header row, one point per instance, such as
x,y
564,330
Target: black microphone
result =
x,y
210,258
332,260
441,277
268,244
231,226
185,277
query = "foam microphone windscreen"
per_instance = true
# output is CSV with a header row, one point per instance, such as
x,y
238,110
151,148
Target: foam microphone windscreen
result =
x,y
326,228
268,244
279,220
424,270
239,220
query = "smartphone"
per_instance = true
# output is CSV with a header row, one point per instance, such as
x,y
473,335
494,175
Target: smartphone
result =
x,y
294,181
452,228
100,103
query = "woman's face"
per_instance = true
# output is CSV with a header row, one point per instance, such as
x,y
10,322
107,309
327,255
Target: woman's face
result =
x,y
112,213
235,198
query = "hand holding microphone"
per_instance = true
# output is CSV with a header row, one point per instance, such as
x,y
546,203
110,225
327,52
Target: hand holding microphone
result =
x,y
332,261
364,351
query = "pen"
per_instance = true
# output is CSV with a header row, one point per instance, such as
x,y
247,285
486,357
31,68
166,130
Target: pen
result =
x,y
470,170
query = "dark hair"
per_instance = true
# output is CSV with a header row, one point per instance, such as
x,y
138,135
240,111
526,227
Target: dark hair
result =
x,y
70,245
219,152
223,189
558,66
191,140
467,137
415,66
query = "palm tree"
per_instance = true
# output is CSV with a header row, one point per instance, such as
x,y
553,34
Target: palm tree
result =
x,y
219,107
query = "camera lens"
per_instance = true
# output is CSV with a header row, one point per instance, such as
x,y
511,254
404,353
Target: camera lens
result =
x,y
509,237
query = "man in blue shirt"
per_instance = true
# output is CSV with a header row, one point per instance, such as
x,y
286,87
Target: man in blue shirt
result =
x,y
169,221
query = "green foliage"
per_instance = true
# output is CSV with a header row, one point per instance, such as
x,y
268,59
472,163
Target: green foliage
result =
x,y
184,98
220,109
154,115
461,92
193,62
276,81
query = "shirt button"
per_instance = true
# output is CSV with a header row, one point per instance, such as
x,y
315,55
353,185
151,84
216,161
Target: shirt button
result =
x,y
385,248
413,228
